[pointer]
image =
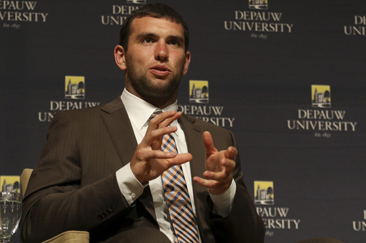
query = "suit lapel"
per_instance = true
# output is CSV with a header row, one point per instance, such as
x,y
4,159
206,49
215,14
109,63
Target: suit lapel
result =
x,y
120,130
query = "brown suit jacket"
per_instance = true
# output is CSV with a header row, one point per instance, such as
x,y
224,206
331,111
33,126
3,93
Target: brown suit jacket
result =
x,y
74,186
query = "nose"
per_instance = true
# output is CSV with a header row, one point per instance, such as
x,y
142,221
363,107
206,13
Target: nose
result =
x,y
161,51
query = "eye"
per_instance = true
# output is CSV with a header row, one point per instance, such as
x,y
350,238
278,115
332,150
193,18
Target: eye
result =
x,y
147,40
174,42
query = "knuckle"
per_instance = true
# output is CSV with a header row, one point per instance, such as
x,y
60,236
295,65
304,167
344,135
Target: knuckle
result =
x,y
153,133
215,184
139,154
231,164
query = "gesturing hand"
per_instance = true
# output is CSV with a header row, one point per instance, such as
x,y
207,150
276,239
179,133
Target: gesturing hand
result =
x,y
149,161
219,167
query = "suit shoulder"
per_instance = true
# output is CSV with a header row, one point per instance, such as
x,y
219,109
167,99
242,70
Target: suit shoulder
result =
x,y
90,115
80,113
206,126
110,107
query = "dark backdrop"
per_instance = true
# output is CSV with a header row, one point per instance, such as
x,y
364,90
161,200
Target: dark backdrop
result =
x,y
261,60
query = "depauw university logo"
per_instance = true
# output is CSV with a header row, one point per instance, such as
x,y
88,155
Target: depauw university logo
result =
x,y
75,87
258,4
320,96
137,1
263,192
10,183
198,91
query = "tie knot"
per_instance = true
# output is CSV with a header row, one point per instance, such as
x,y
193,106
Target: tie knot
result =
x,y
156,113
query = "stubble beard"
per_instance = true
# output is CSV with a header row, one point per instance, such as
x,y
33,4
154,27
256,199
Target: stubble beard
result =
x,y
150,91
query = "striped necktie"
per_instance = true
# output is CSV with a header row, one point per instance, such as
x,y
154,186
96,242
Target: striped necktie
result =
x,y
177,197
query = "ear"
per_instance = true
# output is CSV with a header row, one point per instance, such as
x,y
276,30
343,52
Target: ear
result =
x,y
187,62
120,57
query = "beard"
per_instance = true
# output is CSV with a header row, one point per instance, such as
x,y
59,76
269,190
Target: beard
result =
x,y
150,90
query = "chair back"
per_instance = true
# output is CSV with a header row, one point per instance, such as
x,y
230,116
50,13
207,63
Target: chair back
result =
x,y
24,179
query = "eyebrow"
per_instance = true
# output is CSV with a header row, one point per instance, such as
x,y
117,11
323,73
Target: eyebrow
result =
x,y
148,34
143,34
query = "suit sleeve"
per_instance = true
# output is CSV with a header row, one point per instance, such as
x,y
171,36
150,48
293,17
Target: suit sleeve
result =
x,y
243,223
55,201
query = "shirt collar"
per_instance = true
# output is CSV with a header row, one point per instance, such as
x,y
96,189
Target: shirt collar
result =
x,y
139,110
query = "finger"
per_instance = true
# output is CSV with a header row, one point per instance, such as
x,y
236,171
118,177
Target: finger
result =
x,y
208,143
160,121
206,183
166,118
231,152
155,122
179,159
228,165
156,136
169,120
144,155
217,176
159,134
161,131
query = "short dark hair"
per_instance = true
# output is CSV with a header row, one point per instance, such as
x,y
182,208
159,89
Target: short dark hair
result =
x,y
155,10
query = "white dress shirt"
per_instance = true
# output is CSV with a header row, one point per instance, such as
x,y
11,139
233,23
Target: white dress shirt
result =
x,y
139,112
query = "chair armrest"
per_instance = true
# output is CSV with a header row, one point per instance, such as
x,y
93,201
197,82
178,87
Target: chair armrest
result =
x,y
70,237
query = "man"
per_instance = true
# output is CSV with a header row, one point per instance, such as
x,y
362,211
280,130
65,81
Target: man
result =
x,y
103,169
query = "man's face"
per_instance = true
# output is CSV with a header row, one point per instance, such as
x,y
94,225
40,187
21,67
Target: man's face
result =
x,y
155,59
